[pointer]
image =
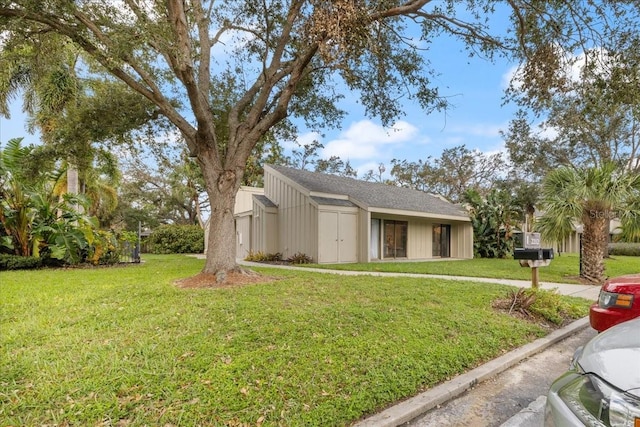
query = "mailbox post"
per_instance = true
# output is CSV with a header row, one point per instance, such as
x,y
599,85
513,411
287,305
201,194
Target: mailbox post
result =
x,y
533,256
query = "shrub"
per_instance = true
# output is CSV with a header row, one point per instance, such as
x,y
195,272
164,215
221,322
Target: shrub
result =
x,y
177,239
300,258
540,303
552,307
263,257
624,249
15,262
521,300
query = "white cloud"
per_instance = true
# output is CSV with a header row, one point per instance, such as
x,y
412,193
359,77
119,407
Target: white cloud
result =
x,y
508,76
373,166
302,140
229,41
365,140
488,130
548,132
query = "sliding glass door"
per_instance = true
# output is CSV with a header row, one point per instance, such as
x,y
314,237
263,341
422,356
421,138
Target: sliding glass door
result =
x,y
395,239
441,241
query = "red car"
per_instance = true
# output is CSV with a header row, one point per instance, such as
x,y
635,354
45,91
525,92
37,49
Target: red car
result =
x,y
619,301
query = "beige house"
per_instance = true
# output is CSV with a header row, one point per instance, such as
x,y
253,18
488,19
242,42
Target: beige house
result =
x,y
334,219
571,243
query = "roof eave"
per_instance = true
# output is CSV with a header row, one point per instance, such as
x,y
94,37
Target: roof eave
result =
x,y
431,215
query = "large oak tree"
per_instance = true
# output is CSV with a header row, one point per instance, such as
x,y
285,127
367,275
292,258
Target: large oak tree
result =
x,y
227,73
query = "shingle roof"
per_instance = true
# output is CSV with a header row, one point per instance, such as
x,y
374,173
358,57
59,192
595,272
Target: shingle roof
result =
x,y
266,202
332,202
372,194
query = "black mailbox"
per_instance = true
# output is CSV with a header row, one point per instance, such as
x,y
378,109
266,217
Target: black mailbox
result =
x,y
533,254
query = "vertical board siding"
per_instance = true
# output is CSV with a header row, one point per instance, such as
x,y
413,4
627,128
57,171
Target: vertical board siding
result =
x,y
295,226
364,233
257,236
419,239
243,236
462,241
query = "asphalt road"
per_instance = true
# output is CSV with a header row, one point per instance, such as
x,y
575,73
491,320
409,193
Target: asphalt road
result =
x,y
495,401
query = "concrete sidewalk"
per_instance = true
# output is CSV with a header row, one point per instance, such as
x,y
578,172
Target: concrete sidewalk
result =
x,y
589,292
412,408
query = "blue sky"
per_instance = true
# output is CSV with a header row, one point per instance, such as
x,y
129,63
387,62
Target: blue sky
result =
x,y
474,85
475,88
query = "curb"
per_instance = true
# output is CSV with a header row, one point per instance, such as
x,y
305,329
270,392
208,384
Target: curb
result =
x,y
414,407
529,416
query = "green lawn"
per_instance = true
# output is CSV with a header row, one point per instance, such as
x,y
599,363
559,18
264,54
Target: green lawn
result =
x,y
124,346
563,269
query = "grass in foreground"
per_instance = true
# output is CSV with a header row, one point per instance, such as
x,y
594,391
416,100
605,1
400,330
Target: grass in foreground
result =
x,y
123,346
563,269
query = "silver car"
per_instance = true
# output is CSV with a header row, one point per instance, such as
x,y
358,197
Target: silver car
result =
x,y
602,386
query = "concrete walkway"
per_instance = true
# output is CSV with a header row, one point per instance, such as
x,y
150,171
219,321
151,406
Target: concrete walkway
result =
x,y
413,407
589,292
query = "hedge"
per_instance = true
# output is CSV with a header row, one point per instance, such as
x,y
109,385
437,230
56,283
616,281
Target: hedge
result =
x,y
15,262
624,249
176,239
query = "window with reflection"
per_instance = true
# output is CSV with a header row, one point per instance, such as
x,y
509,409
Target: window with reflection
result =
x,y
395,239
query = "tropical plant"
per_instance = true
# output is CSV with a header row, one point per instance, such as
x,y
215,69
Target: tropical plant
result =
x,y
16,213
36,220
60,230
591,197
56,103
493,218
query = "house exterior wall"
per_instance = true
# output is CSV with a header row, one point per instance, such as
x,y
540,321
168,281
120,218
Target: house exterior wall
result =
x,y
244,199
297,218
571,243
243,236
419,239
305,224
364,234
420,236
462,241
264,236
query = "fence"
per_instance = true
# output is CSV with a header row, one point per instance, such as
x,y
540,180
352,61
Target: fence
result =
x,y
129,252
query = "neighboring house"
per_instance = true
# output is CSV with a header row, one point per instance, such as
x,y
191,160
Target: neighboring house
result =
x,y
571,243
334,219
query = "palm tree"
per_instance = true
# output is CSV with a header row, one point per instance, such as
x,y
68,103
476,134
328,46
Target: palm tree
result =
x,y
591,197
51,91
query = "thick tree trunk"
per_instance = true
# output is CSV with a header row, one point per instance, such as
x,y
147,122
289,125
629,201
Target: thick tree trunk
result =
x,y
594,222
221,244
222,186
